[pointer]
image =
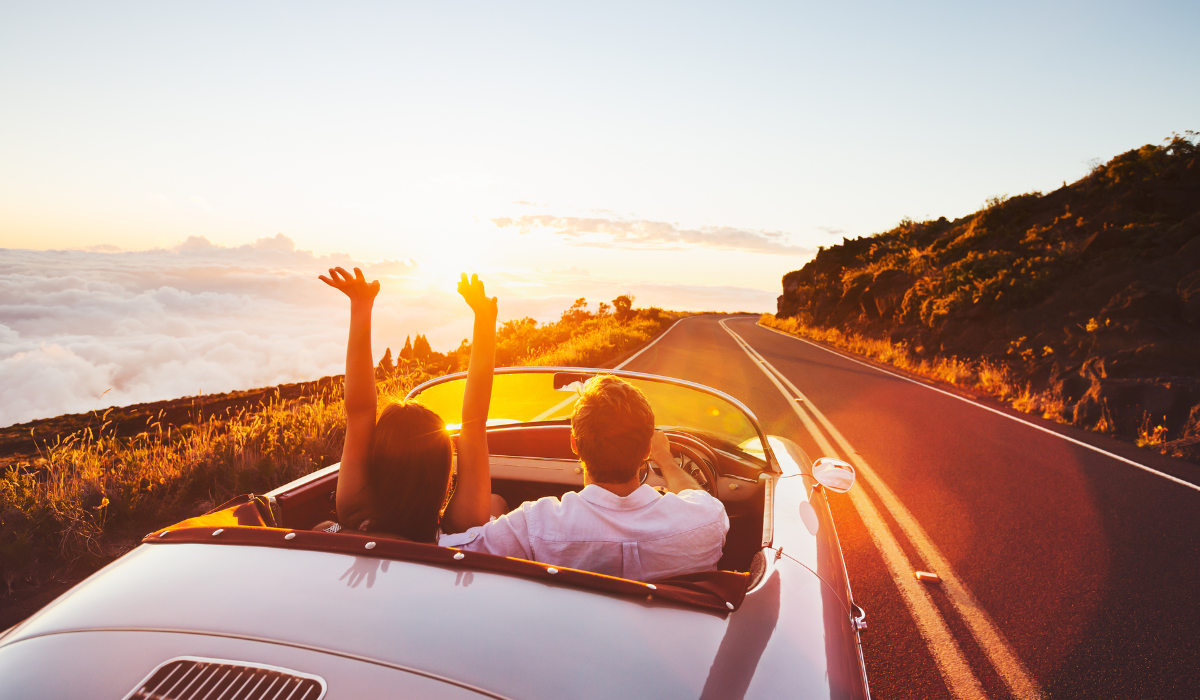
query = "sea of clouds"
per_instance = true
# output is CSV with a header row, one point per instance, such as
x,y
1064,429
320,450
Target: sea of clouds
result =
x,y
85,330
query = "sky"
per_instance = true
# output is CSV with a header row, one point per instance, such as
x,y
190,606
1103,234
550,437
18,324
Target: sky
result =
x,y
692,153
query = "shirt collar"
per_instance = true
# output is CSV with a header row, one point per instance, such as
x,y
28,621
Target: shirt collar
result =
x,y
599,496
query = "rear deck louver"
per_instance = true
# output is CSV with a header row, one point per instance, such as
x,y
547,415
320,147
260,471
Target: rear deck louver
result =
x,y
194,678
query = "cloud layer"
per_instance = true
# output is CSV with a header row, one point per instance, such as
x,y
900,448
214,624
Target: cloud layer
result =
x,y
640,233
159,324
85,330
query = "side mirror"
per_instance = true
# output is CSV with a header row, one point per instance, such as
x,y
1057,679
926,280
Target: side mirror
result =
x,y
833,474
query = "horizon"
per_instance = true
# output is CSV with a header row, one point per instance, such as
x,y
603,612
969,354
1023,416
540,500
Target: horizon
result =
x,y
690,156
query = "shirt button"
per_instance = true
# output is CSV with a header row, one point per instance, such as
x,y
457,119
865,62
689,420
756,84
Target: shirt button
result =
x,y
472,537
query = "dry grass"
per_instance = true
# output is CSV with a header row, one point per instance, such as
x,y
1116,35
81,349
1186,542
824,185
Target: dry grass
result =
x,y
1150,435
91,495
983,376
599,341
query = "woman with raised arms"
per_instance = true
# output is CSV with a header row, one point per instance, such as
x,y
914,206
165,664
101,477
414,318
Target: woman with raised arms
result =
x,y
396,468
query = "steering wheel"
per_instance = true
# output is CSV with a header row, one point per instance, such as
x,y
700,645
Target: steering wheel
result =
x,y
695,458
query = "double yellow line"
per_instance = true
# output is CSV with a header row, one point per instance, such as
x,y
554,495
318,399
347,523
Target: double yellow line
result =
x,y
949,658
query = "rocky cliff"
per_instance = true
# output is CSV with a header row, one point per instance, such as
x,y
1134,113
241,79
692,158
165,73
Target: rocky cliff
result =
x,y
1090,293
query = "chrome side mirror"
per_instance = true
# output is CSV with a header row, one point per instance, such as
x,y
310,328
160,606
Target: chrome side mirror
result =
x,y
833,474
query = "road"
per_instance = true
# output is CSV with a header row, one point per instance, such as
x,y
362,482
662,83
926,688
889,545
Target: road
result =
x,y
1066,572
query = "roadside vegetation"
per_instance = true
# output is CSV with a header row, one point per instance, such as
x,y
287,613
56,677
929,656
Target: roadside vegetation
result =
x,y
983,375
1081,305
98,482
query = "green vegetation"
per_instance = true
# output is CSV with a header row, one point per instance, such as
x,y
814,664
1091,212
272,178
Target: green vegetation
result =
x,y
92,492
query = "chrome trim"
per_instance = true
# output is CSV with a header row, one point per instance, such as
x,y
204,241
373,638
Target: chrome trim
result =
x,y
296,483
770,562
186,693
772,463
276,513
768,531
739,478
858,617
540,459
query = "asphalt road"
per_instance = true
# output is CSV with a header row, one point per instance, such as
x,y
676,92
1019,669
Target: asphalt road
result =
x,y
1066,572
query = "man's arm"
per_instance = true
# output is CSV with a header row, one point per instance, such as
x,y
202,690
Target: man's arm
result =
x,y
660,453
352,499
472,500
506,536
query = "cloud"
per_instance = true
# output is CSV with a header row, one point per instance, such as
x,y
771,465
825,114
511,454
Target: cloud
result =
x,y
658,235
160,324
166,323
831,230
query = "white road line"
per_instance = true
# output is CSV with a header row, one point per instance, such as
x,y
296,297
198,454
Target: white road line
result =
x,y
989,637
942,645
932,628
546,414
652,342
1093,448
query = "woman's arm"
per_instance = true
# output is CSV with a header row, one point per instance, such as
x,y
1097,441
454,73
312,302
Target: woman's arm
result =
x,y
471,504
352,495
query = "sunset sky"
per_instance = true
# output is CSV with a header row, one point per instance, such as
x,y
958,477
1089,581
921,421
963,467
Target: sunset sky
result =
x,y
690,153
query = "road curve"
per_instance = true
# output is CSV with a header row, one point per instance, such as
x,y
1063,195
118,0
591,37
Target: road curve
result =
x,y
1066,572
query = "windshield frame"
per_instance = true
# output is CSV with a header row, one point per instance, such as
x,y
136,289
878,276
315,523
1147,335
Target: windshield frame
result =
x,y
772,463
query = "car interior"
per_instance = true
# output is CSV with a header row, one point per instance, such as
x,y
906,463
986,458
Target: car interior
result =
x,y
534,460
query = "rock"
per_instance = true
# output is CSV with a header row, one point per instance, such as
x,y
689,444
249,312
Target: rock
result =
x,y
883,296
1069,386
1125,403
1140,300
1189,296
847,307
1192,428
1184,448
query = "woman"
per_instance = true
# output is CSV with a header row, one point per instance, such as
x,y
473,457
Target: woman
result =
x,y
396,471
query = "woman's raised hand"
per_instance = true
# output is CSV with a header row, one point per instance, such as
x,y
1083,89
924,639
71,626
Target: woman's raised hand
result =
x,y
354,286
472,292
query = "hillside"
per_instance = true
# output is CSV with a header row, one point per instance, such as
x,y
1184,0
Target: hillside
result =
x,y
1086,298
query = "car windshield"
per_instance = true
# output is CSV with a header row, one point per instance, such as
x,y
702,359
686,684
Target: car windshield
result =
x,y
534,396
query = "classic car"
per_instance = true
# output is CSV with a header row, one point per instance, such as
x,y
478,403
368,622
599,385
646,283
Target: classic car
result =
x,y
248,601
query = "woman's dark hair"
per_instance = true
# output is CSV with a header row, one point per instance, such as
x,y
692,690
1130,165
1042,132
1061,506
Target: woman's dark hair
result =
x,y
409,471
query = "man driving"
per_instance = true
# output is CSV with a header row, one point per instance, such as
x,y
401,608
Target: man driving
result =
x,y
616,525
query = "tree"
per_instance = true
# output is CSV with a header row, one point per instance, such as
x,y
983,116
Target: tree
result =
x,y
407,352
420,348
461,357
578,312
603,309
385,368
624,306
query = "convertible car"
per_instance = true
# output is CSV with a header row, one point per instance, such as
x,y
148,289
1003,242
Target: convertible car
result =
x,y
248,601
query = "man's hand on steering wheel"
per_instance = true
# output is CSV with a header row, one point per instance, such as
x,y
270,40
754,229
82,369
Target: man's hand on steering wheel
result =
x,y
676,478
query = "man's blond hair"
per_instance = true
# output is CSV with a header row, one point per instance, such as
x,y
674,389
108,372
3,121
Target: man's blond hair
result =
x,y
612,424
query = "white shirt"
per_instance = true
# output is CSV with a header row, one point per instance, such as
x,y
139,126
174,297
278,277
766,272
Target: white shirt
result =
x,y
642,536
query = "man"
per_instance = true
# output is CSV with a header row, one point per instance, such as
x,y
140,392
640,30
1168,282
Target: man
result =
x,y
615,525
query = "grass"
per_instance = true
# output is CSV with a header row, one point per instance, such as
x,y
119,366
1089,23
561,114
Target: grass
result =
x,y
1150,435
91,495
977,375
598,342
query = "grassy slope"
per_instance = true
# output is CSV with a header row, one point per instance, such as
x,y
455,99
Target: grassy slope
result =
x,y
1082,304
